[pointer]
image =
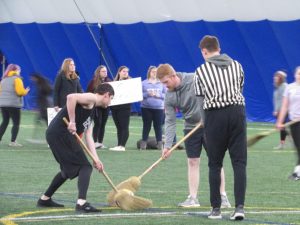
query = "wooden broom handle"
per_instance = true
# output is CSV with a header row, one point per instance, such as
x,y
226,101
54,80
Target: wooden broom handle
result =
x,y
172,149
91,156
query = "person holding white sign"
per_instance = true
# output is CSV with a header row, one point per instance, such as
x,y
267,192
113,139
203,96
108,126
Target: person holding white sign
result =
x,y
121,114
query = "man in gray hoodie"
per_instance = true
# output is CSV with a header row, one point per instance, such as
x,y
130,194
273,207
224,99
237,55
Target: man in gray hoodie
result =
x,y
181,95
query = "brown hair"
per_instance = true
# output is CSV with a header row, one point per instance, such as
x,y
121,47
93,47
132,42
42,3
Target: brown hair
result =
x,y
97,78
117,77
149,71
65,68
165,70
211,43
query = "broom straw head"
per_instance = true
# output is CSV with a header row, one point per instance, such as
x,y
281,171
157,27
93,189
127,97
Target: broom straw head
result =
x,y
253,140
126,200
132,184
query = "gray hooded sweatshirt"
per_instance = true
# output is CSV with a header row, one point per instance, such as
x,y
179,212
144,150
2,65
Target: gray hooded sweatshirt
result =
x,y
184,99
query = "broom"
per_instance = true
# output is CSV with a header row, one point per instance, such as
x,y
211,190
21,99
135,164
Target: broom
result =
x,y
123,198
253,140
133,183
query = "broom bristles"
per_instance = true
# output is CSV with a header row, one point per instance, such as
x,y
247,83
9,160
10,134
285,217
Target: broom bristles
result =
x,y
253,140
126,200
132,184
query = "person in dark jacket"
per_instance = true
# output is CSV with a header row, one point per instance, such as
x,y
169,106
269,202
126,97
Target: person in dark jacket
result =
x,y
66,82
101,114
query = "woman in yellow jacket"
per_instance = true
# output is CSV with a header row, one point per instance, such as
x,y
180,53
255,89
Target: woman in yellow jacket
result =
x,y
11,101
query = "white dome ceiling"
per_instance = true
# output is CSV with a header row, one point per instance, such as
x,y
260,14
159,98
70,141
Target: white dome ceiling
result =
x,y
132,11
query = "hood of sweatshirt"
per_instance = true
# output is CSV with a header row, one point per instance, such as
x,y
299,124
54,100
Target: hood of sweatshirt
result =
x,y
222,60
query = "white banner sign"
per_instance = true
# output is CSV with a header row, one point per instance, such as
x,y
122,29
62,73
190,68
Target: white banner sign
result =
x,y
127,91
51,113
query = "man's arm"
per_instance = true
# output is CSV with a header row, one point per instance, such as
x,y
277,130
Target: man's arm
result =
x,y
91,147
170,127
86,99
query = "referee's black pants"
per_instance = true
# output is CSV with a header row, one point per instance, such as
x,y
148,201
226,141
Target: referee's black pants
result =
x,y
225,128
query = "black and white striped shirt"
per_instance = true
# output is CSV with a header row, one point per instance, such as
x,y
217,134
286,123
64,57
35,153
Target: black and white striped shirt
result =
x,y
221,86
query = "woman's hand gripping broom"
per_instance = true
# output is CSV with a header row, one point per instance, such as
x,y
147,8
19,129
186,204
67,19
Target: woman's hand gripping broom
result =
x,y
123,198
133,183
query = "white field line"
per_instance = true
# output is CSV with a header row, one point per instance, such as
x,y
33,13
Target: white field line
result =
x,y
124,215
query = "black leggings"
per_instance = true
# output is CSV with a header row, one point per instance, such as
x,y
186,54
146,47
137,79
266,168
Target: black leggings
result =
x,y
15,115
100,120
295,132
83,182
121,117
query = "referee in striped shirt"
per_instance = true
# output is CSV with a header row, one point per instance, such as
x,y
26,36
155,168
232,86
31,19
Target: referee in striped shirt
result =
x,y
220,79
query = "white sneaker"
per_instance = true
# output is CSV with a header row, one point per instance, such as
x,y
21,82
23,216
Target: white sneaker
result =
x,y
15,144
189,202
117,149
225,202
98,145
279,147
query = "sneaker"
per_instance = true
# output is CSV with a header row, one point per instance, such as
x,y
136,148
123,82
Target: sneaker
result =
x,y
294,176
279,147
98,145
102,146
238,214
15,144
225,202
215,214
143,145
159,145
118,149
86,208
48,203
189,202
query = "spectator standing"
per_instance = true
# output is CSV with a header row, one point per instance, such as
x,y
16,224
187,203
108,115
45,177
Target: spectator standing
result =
x,y
101,114
11,101
121,114
152,107
66,82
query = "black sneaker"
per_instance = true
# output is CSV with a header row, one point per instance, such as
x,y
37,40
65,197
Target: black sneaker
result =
x,y
294,176
86,208
48,203
215,214
238,214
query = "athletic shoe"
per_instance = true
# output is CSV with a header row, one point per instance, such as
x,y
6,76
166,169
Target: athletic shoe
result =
x,y
86,208
225,202
294,176
98,145
15,144
215,214
279,147
118,149
238,214
159,145
189,202
143,145
48,203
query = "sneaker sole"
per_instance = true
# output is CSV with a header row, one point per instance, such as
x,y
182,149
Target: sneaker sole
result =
x,y
215,217
238,216
189,206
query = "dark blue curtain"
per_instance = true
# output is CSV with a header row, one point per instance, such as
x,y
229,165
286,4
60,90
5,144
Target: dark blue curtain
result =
x,y
262,47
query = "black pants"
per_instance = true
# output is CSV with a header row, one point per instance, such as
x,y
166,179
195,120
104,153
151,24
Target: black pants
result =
x,y
15,115
226,129
121,117
155,116
295,132
100,120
